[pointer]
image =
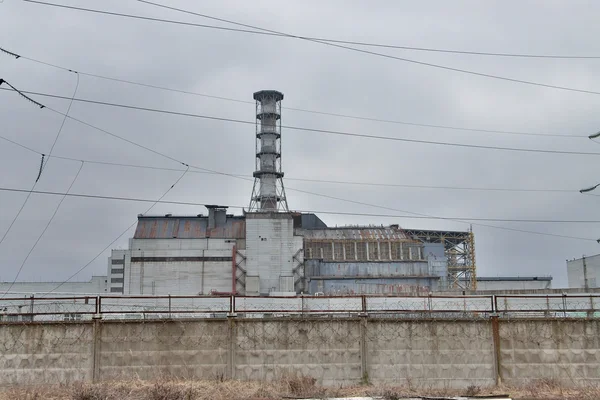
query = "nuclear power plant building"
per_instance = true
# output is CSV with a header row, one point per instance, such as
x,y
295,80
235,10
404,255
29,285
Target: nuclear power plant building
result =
x,y
271,250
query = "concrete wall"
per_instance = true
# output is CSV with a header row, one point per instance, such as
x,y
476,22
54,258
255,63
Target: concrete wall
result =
x,y
569,351
431,354
172,266
270,250
336,351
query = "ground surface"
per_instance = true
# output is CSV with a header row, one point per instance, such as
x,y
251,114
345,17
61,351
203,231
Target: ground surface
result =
x,y
285,388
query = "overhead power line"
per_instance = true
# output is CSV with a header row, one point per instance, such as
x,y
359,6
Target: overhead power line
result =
x,y
350,42
335,182
303,110
388,56
324,131
246,179
154,203
288,178
419,216
21,93
43,230
66,115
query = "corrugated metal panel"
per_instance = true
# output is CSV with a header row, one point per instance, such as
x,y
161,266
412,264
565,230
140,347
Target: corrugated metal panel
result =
x,y
373,286
370,269
359,233
188,228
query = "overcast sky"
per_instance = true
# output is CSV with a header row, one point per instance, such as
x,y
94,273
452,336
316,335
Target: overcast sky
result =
x,y
313,77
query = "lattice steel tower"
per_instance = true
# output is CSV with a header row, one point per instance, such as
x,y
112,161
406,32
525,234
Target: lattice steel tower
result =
x,y
268,193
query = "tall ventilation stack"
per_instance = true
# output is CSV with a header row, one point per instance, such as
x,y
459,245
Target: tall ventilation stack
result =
x,y
268,194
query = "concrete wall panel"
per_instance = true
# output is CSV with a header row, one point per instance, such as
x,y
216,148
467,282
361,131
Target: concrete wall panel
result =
x,y
568,351
336,351
152,350
327,350
36,354
437,354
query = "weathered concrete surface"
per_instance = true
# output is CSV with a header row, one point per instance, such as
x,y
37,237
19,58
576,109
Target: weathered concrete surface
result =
x,y
565,350
159,349
326,349
335,351
431,354
45,354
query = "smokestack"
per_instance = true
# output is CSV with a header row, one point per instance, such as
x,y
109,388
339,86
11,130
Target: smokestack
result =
x,y
268,193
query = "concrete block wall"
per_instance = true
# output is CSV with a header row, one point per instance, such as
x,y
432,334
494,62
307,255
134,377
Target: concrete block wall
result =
x,y
327,350
35,354
568,351
154,350
424,353
447,354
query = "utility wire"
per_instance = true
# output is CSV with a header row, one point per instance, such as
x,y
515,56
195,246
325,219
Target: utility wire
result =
x,y
44,230
234,176
354,183
358,43
66,115
466,220
154,203
21,93
324,131
439,66
335,182
303,110
62,124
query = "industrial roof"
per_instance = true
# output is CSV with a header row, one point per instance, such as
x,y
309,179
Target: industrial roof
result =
x,y
356,233
188,228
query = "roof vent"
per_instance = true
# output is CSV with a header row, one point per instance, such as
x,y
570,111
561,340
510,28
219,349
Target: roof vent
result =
x,y
168,215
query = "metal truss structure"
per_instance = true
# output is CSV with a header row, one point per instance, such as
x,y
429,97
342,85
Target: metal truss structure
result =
x,y
268,192
459,248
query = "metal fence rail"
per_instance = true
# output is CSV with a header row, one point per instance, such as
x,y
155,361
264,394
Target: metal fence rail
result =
x,y
75,308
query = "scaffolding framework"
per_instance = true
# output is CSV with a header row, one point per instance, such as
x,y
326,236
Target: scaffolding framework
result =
x,y
268,192
459,248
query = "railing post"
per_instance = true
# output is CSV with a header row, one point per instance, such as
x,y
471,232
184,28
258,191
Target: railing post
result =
x,y
494,304
96,344
591,312
363,301
364,362
564,300
232,306
497,353
31,307
169,305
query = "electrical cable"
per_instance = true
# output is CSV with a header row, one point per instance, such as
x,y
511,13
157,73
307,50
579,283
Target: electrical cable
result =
x,y
66,115
43,231
303,110
358,43
427,64
415,216
232,175
121,235
324,131
355,183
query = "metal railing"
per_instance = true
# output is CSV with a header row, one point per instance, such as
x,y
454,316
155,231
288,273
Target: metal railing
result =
x,y
76,308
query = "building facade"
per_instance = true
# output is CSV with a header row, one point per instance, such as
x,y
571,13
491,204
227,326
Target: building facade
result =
x,y
584,273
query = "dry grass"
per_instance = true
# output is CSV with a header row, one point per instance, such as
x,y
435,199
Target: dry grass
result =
x,y
288,385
